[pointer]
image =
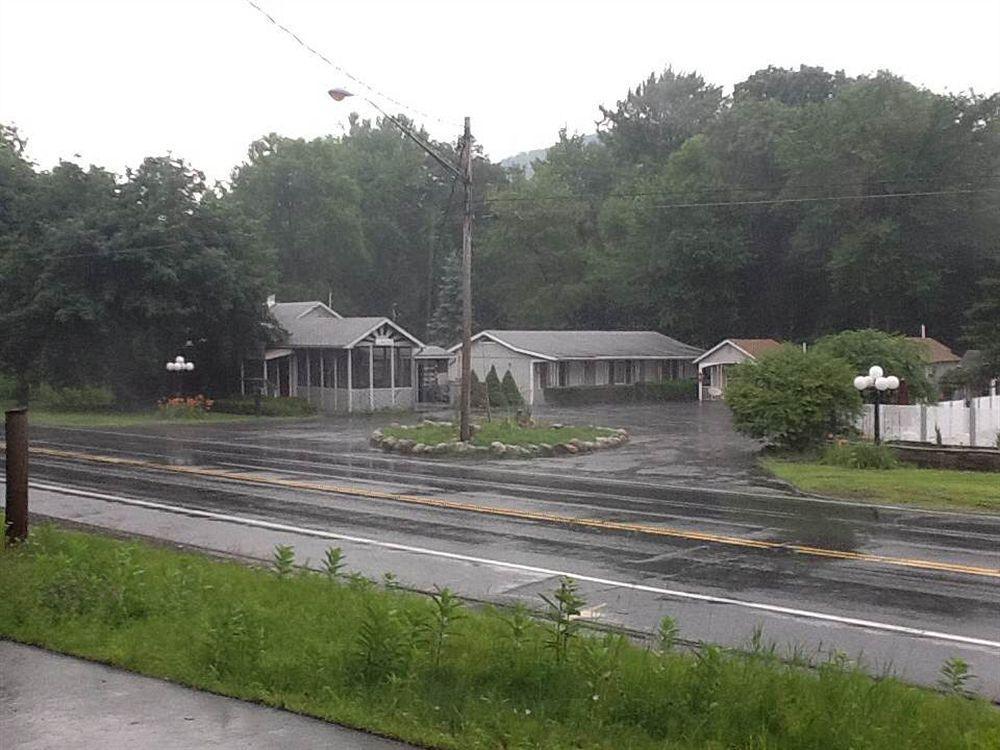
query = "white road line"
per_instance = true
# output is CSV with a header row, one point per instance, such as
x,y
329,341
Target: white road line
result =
x,y
688,595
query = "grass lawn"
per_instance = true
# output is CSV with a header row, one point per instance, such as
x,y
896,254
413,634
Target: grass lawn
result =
x,y
931,488
501,430
48,418
439,674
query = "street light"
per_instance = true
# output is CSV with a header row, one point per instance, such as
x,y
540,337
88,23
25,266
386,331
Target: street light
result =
x,y
463,171
179,365
877,379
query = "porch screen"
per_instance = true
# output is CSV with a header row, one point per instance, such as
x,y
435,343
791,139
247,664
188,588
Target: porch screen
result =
x,y
380,367
404,375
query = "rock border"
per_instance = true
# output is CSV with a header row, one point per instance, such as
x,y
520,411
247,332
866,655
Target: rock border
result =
x,y
574,447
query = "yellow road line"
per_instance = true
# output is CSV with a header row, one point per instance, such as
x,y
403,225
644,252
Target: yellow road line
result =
x,y
530,515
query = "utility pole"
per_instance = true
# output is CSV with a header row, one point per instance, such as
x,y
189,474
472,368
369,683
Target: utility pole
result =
x,y
465,397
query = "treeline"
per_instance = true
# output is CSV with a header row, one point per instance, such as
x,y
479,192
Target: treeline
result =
x,y
803,203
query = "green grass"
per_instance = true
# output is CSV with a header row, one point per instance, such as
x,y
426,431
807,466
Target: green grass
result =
x,y
49,418
439,674
930,488
504,431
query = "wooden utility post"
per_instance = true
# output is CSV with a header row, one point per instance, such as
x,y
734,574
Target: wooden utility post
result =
x,y
16,509
465,396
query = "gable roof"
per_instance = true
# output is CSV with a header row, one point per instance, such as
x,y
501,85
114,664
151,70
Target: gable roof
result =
x,y
753,348
933,351
559,345
314,324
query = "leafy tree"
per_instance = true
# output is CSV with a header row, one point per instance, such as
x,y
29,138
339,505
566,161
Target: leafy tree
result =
x,y
511,393
655,118
895,354
807,85
793,399
107,278
983,328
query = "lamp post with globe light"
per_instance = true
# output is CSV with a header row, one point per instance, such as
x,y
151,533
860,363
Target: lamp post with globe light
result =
x,y
877,380
180,365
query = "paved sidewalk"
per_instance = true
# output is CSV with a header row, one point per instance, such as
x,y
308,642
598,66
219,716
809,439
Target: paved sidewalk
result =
x,y
49,700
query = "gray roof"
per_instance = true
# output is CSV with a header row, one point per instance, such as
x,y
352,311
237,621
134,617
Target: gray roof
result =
x,y
594,344
432,352
312,324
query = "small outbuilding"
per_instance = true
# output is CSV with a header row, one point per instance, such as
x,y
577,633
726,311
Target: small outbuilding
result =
x,y
539,360
713,364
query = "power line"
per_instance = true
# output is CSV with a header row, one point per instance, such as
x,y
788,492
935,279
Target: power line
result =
x,y
343,71
819,199
582,197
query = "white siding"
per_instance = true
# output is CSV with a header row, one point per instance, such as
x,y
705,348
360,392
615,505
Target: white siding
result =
x,y
487,354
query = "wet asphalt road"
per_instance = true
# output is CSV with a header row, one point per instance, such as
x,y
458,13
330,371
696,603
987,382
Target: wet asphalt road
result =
x,y
684,470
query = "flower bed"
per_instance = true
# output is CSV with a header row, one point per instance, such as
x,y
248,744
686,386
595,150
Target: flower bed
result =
x,y
496,440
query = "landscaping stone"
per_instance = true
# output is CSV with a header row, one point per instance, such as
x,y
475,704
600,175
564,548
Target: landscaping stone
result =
x,y
575,446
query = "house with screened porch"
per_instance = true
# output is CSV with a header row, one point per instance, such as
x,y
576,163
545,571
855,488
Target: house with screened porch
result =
x,y
345,364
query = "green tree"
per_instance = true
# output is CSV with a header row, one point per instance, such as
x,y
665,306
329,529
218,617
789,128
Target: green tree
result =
x,y
895,354
793,399
494,390
511,393
983,328
659,115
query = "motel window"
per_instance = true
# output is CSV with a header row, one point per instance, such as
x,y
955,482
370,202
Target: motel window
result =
x,y
621,372
543,374
590,373
563,374
328,363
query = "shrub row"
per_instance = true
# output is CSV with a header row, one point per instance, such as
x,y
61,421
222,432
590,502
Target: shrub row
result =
x,y
666,390
269,407
82,399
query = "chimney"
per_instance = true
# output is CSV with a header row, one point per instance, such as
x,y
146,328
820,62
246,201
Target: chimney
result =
x,y
270,301
923,331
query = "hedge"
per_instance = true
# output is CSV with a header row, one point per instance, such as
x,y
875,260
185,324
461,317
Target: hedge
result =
x,y
667,390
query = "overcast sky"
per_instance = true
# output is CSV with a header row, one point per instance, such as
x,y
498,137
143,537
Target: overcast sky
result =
x,y
116,80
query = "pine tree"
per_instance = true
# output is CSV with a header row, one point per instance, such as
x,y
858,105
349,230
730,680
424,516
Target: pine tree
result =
x,y
495,390
511,393
445,326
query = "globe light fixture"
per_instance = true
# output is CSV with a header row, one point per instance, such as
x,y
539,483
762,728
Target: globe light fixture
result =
x,y
877,380
178,365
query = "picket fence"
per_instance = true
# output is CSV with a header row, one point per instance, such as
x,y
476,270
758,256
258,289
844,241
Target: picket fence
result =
x,y
975,422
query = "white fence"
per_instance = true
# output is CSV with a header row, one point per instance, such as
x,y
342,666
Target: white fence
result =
x,y
974,422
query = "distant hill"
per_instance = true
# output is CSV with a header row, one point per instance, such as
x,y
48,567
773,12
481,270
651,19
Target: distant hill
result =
x,y
526,158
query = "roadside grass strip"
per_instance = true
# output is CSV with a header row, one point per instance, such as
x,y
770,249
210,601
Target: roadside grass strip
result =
x,y
434,672
904,485
530,515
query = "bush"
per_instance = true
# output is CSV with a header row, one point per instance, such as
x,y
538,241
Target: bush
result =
x,y
511,393
84,398
667,390
860,456
793,399
269,407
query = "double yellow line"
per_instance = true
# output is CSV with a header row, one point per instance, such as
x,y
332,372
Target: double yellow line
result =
x,y
528,515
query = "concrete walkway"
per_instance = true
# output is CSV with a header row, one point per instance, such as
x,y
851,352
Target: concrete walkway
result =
x,y
49,700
